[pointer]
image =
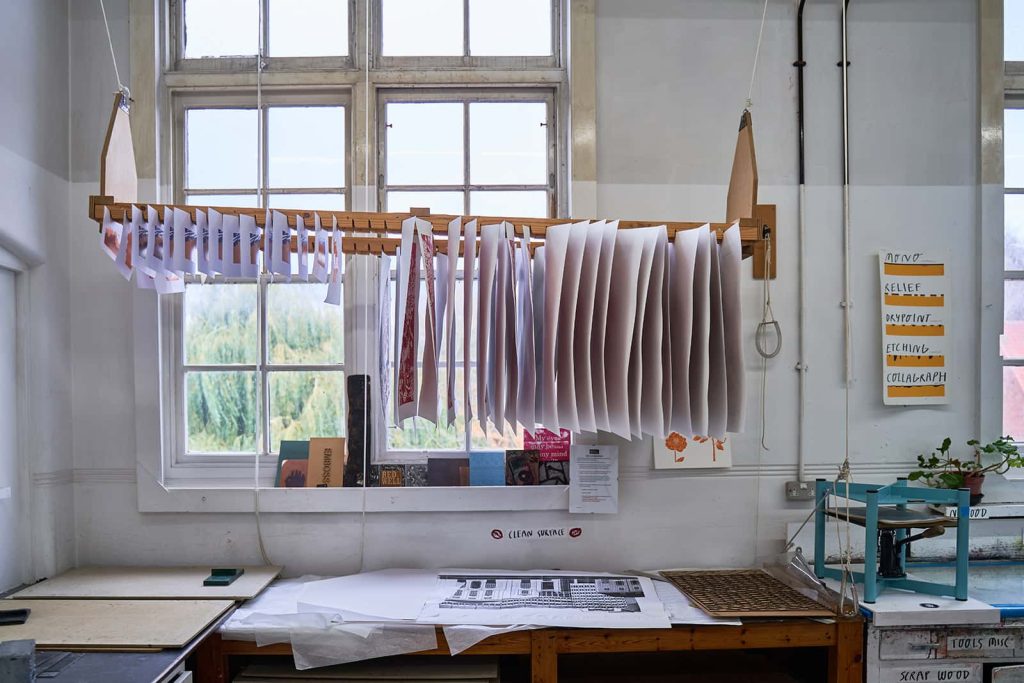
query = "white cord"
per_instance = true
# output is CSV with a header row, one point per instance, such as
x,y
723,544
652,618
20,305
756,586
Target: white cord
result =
x,y
757,55
110,41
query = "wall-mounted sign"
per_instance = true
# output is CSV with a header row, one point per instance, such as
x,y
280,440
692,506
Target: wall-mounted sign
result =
x,y
915,329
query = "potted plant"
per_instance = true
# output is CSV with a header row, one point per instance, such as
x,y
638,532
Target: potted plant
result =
x,y
942,470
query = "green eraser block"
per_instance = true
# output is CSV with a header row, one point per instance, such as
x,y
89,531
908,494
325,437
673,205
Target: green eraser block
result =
x,y
222,576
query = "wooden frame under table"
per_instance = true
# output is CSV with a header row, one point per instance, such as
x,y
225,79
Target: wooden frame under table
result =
x,y
844,639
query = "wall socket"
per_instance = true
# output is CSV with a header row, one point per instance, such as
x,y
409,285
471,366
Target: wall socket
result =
x,y
799,490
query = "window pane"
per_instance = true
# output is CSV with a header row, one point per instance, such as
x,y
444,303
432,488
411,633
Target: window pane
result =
x,y
221,28
1013,254
221,412
1013,146
1013,30
308,28
1013,402
306,404
221,147
301,328
508,143
306,146
418,434
510,27
421,27
220,324
229,200
437,202
531,204
424,143
313,202
1012,342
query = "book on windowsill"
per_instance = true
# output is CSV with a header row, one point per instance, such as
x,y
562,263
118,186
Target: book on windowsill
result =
x,y
326,462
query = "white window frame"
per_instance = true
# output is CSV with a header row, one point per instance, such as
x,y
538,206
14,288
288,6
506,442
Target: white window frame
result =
x,y
169,482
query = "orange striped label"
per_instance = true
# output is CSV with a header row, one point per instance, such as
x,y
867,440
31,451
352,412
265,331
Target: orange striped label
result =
x,y
930,391
915,330
915,300
915,361
915,269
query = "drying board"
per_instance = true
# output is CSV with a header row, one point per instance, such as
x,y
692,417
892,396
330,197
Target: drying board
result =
x,y
148,583
405,668
113,624
744,593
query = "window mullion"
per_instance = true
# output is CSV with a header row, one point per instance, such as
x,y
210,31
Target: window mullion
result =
x,y
264,374
465,150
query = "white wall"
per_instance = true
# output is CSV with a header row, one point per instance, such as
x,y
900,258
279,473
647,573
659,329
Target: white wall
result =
x,y
671,80
33,228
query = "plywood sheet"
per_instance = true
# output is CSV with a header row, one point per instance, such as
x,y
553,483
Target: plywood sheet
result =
x,y
148,583
113,623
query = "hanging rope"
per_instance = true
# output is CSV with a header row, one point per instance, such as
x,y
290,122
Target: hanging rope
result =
x,y
757,55
121,87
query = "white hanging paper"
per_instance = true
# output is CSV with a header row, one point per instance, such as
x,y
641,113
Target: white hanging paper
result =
x,y
334,284
500,358
215,256
124,252
320,249
556,244
468,287
681,304
731,255
427,404
489,236
202,243
140,242
303,245
602,288
652,415
718,406
636,355
167,249
701,328
586,302
565,374
409,268
384,335
454,234
622,300
110,235
281,253
154,254
249,241
182,222
525,350
538,332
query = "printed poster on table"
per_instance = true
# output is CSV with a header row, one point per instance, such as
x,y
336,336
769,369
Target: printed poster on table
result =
x,y
915,336
676,451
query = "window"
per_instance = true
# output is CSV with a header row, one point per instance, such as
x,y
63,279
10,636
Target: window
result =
x,y
338,105
1012,340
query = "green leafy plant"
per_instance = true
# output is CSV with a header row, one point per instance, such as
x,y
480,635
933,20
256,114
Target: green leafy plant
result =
x,y
941,470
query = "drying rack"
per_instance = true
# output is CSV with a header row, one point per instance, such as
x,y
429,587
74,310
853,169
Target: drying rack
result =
x,y
119,193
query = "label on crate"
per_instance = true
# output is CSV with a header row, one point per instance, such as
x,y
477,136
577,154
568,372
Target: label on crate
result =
x,y
983,643
929,673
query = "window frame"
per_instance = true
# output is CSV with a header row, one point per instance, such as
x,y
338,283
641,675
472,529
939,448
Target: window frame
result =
x,y
361,82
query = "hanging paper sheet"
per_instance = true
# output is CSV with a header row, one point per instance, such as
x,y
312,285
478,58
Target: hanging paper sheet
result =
x,y
915,328
409,267
468,278
454,234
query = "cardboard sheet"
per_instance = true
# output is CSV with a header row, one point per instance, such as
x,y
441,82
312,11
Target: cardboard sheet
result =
x,y
140,583
113,623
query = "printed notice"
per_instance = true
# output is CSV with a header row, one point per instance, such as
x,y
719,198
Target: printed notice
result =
x,y
915,329
594,479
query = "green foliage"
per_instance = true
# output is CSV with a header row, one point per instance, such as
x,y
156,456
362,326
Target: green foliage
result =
x,y
940,469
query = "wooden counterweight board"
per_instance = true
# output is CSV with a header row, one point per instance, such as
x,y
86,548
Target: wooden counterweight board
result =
x,y
744,593
113,624
148,583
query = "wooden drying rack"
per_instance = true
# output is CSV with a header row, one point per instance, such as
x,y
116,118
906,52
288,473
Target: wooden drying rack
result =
x,y
119,193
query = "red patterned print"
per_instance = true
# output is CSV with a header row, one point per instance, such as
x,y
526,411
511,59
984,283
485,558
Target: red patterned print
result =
x,y
407,361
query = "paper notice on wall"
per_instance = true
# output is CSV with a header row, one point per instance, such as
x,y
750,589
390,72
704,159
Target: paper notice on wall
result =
x,y
676,451
915,321
594,479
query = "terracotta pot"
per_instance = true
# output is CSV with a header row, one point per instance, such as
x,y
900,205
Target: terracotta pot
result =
x,y
974,482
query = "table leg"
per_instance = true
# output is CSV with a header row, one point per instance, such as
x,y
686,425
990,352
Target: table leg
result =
x,y
846,657
543,657
211,662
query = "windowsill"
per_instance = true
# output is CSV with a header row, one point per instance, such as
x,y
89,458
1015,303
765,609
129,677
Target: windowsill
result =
x,y
204,497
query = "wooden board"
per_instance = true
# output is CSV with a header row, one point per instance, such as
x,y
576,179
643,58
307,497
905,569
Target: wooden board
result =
x,y
118,176
744,593
148,583
112,624
742,197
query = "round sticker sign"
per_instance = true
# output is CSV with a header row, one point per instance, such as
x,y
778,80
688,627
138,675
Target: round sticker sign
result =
x,y
496,534
575,532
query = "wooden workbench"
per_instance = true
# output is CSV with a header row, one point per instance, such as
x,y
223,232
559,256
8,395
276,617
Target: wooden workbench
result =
x,y
844,640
